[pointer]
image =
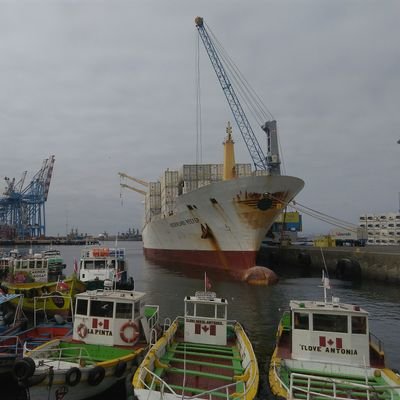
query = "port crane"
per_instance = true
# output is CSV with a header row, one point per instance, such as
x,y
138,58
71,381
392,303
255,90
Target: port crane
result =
x,y
23,208
124,185
271,163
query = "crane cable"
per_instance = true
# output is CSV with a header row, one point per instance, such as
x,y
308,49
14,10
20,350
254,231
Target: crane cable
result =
x,y
199,144
317,214
245,91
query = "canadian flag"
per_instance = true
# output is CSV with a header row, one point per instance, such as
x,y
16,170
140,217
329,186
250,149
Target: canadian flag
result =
x,y
323,341
98,323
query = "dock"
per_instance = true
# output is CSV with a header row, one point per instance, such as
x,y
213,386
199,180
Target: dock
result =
x,y
380,263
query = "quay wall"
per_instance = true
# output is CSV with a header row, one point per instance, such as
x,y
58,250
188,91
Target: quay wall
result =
x,y
371,262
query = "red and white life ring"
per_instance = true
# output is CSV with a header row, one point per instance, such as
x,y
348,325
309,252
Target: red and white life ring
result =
x,y
133,336
82,331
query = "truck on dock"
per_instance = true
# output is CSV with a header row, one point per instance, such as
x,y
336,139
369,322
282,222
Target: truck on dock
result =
x,y
356,236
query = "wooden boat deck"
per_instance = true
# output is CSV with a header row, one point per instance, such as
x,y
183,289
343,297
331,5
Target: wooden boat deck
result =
x,y
192,368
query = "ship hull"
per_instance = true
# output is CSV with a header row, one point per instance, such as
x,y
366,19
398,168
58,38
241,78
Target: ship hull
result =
x,y
221,225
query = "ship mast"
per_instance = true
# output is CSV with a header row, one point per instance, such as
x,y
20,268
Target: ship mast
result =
x,y
229,155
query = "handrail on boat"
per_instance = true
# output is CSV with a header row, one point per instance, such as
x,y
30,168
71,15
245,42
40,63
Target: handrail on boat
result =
x,y
164,385
369,389
45,299
8,346
48,351
153,320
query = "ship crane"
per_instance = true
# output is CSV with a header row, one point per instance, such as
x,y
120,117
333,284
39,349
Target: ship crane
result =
x,y
142,182
271,163
133,188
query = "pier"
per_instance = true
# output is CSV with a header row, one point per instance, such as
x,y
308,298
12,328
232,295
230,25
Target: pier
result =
x,y
351,263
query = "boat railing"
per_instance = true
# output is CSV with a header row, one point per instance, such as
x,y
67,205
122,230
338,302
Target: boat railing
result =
x,y
60,354
157,383
10,344
337,388
376,343
41,303
153,320
167,324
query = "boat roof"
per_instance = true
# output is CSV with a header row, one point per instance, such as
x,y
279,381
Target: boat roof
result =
x,y
4,298
100,294
206,297
332,306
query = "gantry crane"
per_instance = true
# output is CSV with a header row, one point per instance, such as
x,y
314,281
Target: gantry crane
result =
x,y
260,161
23,208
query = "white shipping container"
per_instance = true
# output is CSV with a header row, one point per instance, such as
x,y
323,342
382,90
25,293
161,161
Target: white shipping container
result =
x,y
194,172
243,170
169,178
260,172
154,188
216,172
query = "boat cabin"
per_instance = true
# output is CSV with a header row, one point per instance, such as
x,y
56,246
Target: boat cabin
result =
x,y
111,317
99,263
331,332
36,268
206,319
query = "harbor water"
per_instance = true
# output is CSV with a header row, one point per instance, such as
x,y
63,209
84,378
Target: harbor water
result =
x,y
258,308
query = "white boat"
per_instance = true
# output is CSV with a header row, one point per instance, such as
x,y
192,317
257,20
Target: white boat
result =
x,y
201,355
325,350
111,330
99,264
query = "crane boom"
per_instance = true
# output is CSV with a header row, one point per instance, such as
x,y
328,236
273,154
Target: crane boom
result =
x,y
123,175
260,161
133,188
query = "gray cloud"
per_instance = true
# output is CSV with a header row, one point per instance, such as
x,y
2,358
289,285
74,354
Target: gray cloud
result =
x,y
109,86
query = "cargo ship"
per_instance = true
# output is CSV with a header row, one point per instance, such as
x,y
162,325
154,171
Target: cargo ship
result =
x,y
214,215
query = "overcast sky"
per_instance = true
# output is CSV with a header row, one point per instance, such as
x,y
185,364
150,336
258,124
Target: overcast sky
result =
x,y
109,86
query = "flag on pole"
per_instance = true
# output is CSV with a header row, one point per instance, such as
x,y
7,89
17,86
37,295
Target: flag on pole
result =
x,y
207,282
76,266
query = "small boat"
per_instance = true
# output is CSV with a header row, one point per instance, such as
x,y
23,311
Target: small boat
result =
x,y
111,330
17,338
98,264
200,355
12,318
6,259
60,293
325,350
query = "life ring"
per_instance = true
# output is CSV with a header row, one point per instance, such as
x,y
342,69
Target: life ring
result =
x,y
24,368
82,331
73,376
135,332
120,368
96,375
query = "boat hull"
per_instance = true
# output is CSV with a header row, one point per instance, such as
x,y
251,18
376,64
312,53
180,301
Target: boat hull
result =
x,y
61,295
221,225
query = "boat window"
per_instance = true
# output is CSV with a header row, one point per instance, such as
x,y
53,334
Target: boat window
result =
x,y
25,264
82,307
221,312
124,310
100,264
32,264
39,264
101,308
205,310
137,309
330,323
190,309
359,324
89,265
301,321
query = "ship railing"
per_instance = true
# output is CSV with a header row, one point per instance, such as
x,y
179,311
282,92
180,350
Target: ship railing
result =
x,y
157,384
78,355
370,391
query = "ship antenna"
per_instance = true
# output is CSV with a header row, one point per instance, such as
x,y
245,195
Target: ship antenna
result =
x,y
325,279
